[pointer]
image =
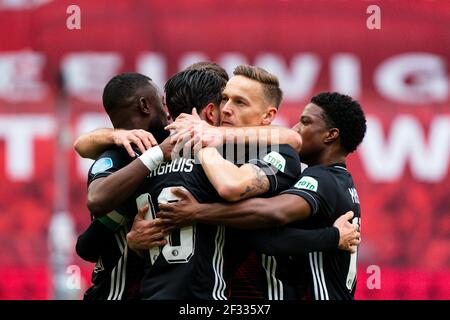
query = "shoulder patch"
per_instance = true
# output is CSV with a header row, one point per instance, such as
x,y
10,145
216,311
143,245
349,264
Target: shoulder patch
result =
x,y
102,165
276,159
307,183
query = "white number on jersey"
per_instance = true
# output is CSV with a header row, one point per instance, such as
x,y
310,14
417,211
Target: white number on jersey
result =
x,y
173,252
351,274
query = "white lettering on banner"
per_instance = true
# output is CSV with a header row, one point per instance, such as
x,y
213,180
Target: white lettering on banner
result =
x,y
19,133
297,81
191,58
22,4
428,73
154,66
385,160
86,74
88,122
345,74
230,60
21,73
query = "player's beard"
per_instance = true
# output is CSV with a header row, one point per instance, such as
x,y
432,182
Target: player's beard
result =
x,y
156,128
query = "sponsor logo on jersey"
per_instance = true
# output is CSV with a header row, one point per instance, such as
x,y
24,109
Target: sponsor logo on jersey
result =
x,y
307,183
102,165
276,159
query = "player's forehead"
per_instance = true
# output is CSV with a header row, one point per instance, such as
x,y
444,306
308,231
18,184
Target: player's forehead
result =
x,y
240,86
312,111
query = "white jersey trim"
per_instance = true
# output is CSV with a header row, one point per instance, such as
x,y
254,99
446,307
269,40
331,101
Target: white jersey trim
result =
x,y
219,282
274,285
118,274
320,286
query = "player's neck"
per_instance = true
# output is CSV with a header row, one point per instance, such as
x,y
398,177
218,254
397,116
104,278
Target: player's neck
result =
x,y
330,156
130,123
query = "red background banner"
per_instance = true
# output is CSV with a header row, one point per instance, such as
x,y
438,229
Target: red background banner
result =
x,y
399,73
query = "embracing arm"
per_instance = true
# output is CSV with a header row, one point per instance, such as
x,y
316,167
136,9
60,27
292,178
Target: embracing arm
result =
x,y
293,241
262,213
145,234
188,125
256,213
233,183
269,134
92,144
107,193
247,214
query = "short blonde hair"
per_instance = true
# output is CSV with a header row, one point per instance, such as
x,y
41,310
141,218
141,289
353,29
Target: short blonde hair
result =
x,y
271,87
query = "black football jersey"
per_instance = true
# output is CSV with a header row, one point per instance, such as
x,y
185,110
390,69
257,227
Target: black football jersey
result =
x,y
190,265
330,191
277,246
194,264
256,275
118,270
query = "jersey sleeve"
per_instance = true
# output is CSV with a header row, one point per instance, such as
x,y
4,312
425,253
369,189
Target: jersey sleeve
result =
x,y
109,162
90,243
99,234
293,241
316,186
281,164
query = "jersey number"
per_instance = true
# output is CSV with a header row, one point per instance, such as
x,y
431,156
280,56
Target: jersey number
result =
x,y
181,242
351,274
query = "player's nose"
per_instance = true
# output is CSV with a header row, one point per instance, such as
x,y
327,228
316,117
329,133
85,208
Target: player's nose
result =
x,y
227,109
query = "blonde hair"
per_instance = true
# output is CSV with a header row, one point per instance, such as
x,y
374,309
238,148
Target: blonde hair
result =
x,y
271,87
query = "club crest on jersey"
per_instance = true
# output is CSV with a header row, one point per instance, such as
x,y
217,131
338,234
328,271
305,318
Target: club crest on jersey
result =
x,y
276,159
102,165
307,183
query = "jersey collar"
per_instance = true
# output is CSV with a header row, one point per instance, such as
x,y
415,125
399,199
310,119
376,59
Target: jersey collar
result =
x,y
341,166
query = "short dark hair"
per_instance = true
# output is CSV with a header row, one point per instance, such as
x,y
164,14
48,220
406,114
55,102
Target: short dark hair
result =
x,y
269,82
344,113
209,66
121,88
193,88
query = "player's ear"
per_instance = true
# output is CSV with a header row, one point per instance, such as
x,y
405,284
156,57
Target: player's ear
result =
x,y
144,105
211,113
269,116
332,135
